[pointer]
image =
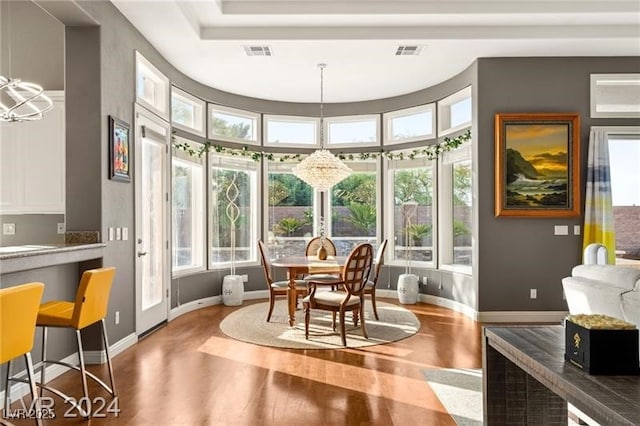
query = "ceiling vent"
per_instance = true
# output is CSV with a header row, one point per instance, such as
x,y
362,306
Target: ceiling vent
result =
x,y
257,50
408,50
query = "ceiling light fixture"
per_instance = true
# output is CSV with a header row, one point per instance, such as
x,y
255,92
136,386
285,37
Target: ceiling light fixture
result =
x,y
25,101
29,100
322,169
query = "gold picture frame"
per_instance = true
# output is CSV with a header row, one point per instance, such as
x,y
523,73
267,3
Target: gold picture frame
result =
x,y
537,169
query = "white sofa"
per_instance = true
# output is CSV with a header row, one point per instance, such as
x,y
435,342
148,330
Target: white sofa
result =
x,y
604,289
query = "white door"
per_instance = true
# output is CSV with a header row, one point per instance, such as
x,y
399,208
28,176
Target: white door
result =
x,y
152,208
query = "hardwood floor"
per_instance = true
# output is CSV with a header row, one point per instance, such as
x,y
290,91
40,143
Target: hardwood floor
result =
x,y
189,373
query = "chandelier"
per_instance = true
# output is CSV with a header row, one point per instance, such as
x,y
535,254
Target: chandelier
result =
x,y
322,169
28,101
20,100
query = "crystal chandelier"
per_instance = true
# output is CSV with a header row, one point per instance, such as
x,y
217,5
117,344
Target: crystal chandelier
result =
x,y
322,169
28,101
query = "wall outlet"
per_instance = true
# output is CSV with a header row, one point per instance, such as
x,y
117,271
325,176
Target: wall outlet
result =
x,y
245,278
61,228
425,281
8,229
117,317
576,229
533,293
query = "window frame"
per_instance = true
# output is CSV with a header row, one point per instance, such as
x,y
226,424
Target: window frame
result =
x,y
352,119
275,166
255,117
356,166
238,164
293,119
620,77
444,112
186,158
143,67
445,202
390,166
200,108
388,118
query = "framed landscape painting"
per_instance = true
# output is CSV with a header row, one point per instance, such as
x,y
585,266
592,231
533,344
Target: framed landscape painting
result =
x,y
537,164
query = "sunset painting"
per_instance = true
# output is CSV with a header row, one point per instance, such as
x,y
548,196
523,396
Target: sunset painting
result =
x,y
537,164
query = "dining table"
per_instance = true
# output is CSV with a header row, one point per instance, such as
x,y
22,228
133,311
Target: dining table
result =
x,y
300,265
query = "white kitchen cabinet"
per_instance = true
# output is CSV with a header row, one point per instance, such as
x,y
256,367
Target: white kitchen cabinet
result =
x,y
32,163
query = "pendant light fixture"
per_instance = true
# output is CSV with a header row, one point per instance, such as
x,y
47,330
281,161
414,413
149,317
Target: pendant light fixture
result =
x,y
322,169
21,100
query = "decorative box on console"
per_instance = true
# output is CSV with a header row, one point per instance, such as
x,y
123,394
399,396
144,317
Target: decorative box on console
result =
x,y
600,344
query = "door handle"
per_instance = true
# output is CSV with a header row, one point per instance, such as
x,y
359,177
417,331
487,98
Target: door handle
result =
x,y
142,253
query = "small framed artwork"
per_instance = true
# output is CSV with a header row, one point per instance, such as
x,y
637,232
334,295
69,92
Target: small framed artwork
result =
x,y
537,165
119,159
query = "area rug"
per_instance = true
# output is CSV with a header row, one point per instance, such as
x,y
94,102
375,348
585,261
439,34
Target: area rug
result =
x,y
249,325
460,391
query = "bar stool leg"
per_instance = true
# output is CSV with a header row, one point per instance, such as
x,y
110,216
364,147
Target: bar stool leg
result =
x,y
83,371
32,385
7,388
44,358
106,348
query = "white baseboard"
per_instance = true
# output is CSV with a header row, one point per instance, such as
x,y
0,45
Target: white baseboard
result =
x,y
193,306
450,304
100,357
523,316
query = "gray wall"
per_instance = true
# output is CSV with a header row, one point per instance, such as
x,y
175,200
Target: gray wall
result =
x,y
517,254
33,229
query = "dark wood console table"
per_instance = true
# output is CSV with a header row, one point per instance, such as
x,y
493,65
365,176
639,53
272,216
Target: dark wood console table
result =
x,y
526,381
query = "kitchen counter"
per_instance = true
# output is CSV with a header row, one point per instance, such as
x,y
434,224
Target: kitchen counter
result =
x,y
25,257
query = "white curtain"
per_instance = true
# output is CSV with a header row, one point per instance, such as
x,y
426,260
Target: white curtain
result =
x,y
598,208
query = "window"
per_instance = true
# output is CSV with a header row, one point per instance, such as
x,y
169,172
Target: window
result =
x,y
292,211
233,125
624,157
187,112
353,217
615,95
152,87
455,112
411,124
353,130
283,130
188,215
233,181
410,218
456,210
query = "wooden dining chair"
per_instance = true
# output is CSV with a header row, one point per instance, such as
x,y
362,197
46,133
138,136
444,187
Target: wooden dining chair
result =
x,y
370,288
276,288
349,298
314,244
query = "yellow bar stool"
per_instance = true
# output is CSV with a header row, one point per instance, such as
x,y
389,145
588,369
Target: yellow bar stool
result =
x,y
90,307
18,312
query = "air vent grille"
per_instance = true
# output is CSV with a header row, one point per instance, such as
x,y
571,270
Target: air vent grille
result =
x,y
408,50
257,50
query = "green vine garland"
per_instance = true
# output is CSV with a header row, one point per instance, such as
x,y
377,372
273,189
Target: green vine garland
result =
x,y
431,152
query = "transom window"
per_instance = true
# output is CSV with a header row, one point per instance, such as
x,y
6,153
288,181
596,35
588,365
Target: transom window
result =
x,y
361,130
233,125
283,130
187,112
411,124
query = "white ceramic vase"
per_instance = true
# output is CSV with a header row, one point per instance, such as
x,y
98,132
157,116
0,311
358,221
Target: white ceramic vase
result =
x,y
408,289
232,290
